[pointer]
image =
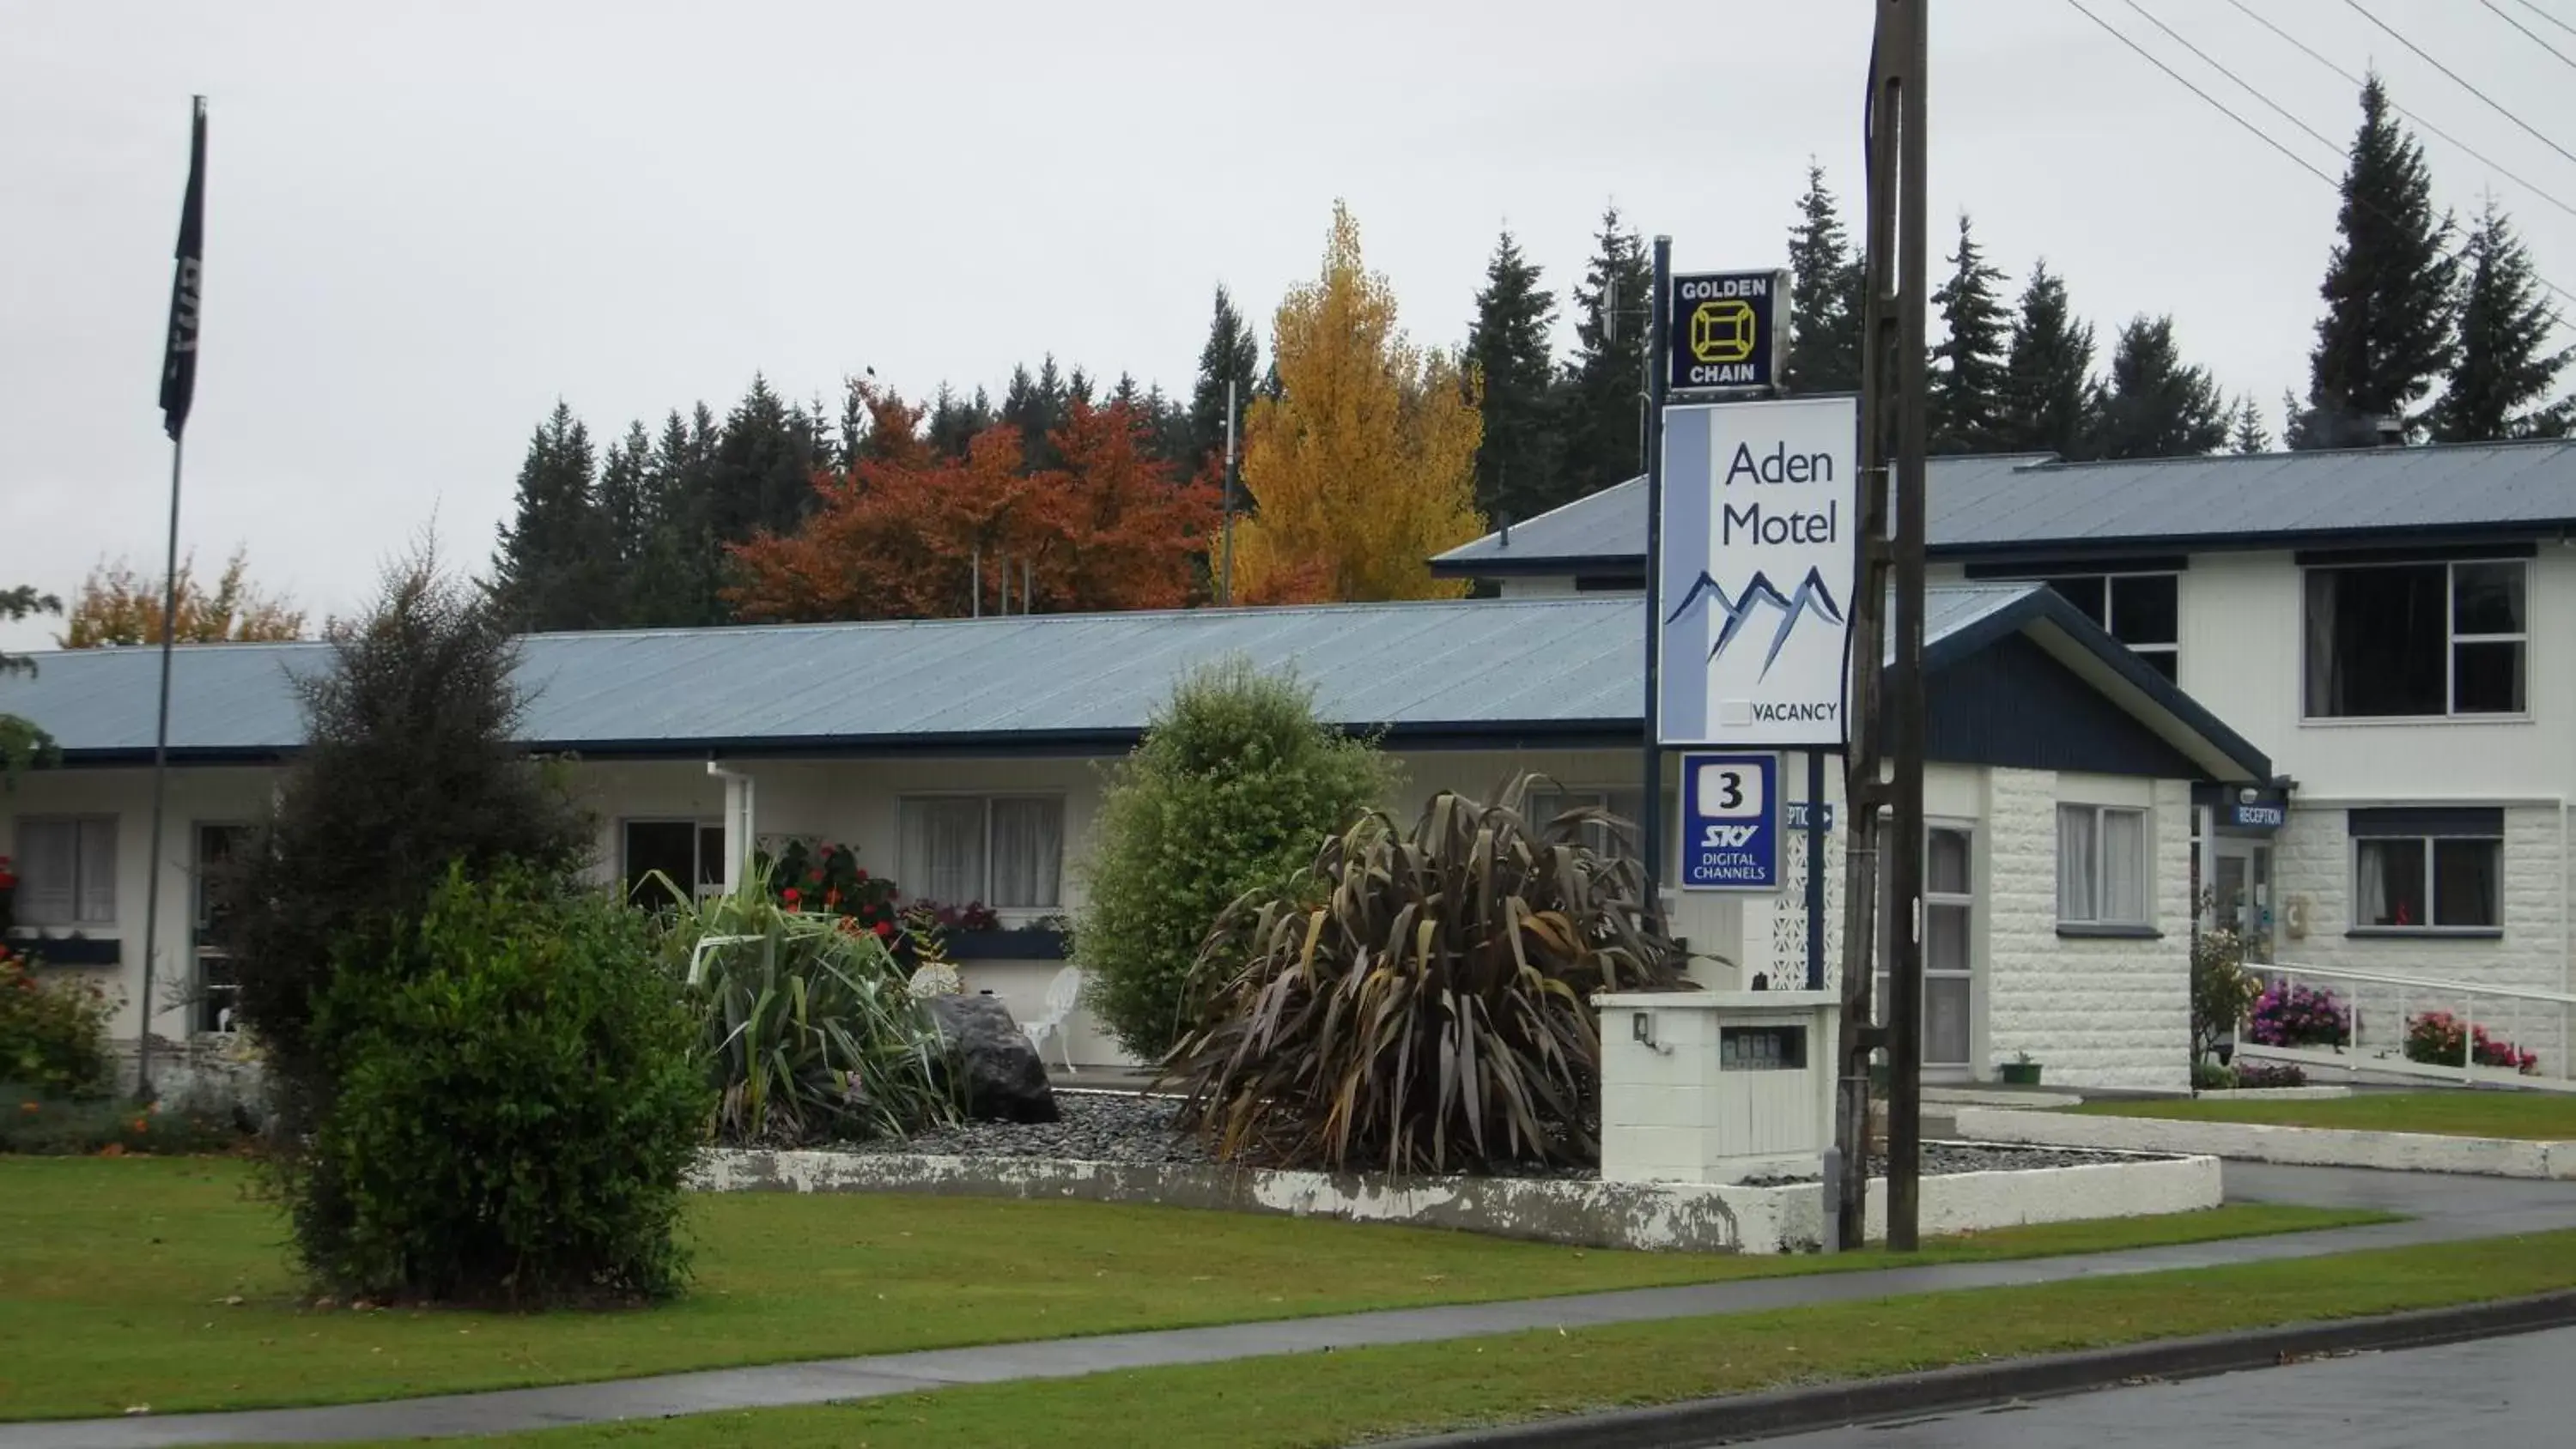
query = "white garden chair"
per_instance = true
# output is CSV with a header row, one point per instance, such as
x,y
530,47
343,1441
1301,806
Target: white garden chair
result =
x,y
1064,993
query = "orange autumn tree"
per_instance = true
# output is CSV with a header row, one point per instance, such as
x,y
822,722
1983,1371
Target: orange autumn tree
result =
x,y
119,606
908,532
1365,465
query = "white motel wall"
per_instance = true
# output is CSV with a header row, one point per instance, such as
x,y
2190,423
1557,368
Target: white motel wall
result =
x,y
2096,1010
2242,656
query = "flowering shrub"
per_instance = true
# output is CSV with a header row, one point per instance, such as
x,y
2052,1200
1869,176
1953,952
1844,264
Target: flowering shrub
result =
x,y
8,892
46,1127
2434,1036
53,1034
2221,989
831,882
2256,1076
972,916
2290,1015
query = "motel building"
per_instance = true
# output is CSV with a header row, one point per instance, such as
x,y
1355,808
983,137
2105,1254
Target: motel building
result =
x,y
2336,689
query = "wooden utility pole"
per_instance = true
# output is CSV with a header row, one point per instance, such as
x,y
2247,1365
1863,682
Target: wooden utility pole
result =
x,y
1884,766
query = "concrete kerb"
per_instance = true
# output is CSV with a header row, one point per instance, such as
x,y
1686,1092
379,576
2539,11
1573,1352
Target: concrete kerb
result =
x,y
2297,1146
1833,1405
1649,1216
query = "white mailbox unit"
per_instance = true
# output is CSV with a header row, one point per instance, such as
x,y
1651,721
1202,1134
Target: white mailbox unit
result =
x,y
1715,1086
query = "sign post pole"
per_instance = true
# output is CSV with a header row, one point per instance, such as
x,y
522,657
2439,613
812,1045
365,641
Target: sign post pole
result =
x,y
1650,774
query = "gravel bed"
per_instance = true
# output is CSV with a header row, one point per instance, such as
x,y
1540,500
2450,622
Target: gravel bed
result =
x,y
1094,1127
1122,1127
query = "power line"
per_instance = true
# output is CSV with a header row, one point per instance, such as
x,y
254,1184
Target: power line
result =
x,y
2472,152
2545,15
2501,14
2266,137
2277,108
2498,106
2153,59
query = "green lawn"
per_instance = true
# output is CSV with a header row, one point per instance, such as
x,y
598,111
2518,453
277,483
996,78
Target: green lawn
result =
x,y
2547,1116
1331,1399
115,1276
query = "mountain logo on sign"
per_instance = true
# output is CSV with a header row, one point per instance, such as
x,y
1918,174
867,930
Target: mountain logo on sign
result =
x,y
1811,598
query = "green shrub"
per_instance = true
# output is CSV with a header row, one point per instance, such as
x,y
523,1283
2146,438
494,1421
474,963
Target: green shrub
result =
x,y
1422,1001
1233,787
518,1103
805,1029
410,770
53,1033
2222,990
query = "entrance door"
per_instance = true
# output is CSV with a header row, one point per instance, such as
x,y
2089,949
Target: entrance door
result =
x,y
2240,887
687,853
1949,951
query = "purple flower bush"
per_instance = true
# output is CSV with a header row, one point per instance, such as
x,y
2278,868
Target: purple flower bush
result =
x,y
2290,1015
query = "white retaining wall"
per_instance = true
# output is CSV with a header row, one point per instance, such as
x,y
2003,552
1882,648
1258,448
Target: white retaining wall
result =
x,y
2253,1142
1668,1216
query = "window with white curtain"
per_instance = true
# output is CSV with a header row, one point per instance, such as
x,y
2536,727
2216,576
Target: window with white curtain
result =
x,y
2101,866
66,870
1006,851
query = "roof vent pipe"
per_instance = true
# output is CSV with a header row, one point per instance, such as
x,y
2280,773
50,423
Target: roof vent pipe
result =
x,y
1507,529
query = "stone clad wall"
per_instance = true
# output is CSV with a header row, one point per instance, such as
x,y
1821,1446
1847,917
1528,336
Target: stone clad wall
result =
x,y
2313,865
2093,1013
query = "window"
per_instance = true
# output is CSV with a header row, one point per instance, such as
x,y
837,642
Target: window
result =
x,y
1542,806
689,853
1949,975
2427,870
218,984
2143,611
2415,640
2101,866
1006,851
67,870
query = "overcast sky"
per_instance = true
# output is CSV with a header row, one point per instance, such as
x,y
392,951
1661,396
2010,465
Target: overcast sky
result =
x,y
426,222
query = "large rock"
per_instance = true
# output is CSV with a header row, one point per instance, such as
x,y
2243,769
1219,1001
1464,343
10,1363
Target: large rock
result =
x,y
1002,1078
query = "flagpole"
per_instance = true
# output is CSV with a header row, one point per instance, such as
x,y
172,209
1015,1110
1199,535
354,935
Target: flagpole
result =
x,y
160,774
178,392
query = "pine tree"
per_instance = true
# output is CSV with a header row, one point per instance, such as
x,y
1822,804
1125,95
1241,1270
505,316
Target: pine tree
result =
x,y
2248,435
955,421
2500,383
2155,406
2048,391
1825,281
1037,406
1603,413
2388,333
1517,470
1967,384
625,517
764,467
1233,354
548,572
681,571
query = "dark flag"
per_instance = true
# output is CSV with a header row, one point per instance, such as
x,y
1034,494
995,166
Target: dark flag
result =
x,y
179,362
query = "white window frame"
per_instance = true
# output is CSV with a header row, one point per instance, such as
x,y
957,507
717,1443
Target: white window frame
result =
x,y
699,888
2169,650
1014,915
2354,925
2452,640
202,990
2100,814
80,825
1974,972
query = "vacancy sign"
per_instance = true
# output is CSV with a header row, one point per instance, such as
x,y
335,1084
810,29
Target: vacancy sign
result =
x,y
1752,628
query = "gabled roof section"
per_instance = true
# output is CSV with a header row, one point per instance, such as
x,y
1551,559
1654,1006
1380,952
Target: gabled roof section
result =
x,y
1483,673
2003,506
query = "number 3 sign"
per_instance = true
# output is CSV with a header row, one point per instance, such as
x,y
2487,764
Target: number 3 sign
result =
x,y
1730,822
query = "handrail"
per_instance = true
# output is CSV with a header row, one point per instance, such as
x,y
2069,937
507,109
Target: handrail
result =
x,y
2415,983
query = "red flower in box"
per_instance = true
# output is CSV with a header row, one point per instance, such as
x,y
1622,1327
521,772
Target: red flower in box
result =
x,y
792,896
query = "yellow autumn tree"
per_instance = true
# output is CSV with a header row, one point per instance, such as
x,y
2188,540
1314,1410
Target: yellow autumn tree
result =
x,y
1364,465
119,606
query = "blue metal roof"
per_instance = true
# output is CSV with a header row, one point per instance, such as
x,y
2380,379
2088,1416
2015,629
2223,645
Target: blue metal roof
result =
x,y
2026,504
1466,672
